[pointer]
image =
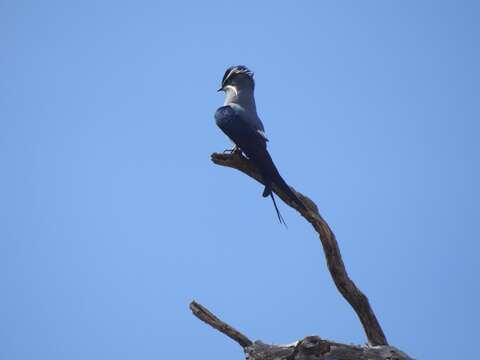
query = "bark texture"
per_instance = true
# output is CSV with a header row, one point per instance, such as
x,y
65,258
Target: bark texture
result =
x,y
311,347
344,284
315,348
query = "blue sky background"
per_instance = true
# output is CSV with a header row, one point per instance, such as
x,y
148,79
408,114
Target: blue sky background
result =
x,y
113,217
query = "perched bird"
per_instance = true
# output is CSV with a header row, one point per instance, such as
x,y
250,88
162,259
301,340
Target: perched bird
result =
x,y
238,119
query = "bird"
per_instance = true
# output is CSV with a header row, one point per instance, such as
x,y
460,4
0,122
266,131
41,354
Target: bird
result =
x,y
239,120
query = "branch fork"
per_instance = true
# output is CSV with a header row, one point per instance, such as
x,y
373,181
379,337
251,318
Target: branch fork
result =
x,y
311,347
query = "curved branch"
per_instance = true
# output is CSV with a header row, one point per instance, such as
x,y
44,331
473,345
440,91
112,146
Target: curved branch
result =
x,y
344,284
309,348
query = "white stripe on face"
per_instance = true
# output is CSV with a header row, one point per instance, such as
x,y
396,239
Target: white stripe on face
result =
x,y
233,88
229,74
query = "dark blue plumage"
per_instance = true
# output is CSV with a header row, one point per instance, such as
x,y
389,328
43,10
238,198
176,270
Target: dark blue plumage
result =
x,y
231,120
238,119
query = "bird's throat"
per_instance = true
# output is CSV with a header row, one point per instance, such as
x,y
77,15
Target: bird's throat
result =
x,y
239,96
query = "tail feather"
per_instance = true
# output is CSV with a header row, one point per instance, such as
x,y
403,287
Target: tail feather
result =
x,y
280,217
287,190
270,175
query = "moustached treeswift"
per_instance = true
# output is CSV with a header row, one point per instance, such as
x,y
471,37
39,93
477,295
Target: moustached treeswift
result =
x,y
238,119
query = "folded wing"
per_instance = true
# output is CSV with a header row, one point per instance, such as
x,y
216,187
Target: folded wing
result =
x,y
253,144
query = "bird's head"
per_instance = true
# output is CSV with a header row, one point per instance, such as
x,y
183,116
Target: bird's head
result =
x,y
237,78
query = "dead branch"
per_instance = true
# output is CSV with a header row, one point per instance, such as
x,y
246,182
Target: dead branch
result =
x,y
206,316
344,284
309,348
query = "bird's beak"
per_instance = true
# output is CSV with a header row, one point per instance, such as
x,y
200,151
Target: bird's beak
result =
x,y
220,89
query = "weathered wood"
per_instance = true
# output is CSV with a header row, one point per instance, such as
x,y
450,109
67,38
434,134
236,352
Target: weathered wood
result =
x,y
206,316
315,348
309,348
344,284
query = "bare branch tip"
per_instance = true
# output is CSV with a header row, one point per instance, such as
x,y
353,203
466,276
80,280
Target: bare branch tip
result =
x,y
202,313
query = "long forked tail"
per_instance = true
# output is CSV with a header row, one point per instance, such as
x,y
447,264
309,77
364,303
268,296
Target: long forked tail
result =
x,y
286,189
271,177
280,217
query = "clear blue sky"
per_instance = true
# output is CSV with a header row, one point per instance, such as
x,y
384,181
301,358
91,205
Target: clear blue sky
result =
x,y
113,217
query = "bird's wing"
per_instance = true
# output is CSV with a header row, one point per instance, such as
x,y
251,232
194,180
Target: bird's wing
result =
x,y
257,124
254,145
249,139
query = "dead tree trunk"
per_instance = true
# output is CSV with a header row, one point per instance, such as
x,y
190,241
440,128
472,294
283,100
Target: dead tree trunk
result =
x,y
311,347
